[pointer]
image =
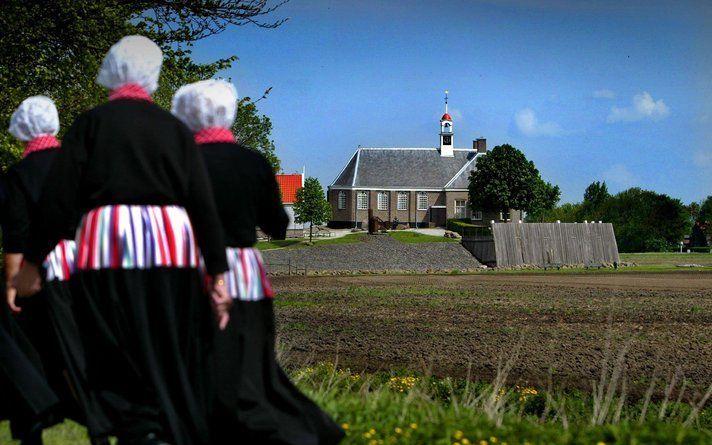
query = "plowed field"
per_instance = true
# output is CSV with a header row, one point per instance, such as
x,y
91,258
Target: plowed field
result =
x,y
558,327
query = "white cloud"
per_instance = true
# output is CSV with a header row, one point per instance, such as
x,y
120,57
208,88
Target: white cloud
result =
x,y
643,107
529,125
619,174
604,94
456,114
703,158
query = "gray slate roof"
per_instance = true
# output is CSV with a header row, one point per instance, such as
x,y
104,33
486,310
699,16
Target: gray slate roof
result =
x,y
407,168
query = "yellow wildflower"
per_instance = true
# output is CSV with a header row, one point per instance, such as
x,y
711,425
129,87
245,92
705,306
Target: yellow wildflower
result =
x,y
493,439
372,431
458,435
483,442
601,443
402,384
465,441
398,430
366,435
414,426
345,426
374,442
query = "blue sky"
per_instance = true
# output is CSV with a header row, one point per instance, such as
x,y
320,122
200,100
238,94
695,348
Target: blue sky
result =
x,y
619,91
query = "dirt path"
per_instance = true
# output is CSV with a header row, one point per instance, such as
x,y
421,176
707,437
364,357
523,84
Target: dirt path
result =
x,y
462,325
662,281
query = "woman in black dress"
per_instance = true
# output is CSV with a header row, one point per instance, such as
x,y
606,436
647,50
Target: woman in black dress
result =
x,y
132,173
255,402
25,396
35,122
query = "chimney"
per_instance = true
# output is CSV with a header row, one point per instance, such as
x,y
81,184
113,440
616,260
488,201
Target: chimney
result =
x,y
480,145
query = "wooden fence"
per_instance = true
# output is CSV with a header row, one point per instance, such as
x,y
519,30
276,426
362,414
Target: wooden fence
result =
x,y
542,244
481,247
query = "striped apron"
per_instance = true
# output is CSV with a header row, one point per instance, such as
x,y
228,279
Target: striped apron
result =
x,y
136,237
247,279
60,262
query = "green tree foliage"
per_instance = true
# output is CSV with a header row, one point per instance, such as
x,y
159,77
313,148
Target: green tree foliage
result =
x,y
646,221
595,199
505,179
253,131
546,197
311,205
694,209
565,213
697,237
56,47
705,212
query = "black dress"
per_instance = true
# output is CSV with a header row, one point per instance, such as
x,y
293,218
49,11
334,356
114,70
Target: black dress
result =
x,y
133,174
25,396
255,402
44,319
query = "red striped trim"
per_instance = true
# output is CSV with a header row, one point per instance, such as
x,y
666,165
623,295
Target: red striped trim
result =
x,y
170,238
245,267
115,253
266,284
65,264
107,234
92,239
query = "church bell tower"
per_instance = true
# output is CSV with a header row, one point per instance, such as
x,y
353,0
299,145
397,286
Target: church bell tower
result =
x,y
446,133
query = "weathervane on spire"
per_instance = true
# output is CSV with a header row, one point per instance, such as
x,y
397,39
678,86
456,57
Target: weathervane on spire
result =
x,y
446,101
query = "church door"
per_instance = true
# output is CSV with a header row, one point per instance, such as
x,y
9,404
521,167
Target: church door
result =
x,y
438,216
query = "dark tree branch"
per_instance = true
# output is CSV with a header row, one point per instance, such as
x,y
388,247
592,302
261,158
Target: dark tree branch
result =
x,y
189,20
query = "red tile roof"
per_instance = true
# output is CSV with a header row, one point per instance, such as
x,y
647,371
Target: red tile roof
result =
x,y
288,185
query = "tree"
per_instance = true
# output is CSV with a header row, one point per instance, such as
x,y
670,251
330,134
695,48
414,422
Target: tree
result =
x,y
565,213
546,197
595,198
697,237
705,212
311,205
56,47
694,209
253,131
646,221
505,179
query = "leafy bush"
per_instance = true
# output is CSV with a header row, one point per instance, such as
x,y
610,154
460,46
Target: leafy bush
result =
x,y
458,225
464,227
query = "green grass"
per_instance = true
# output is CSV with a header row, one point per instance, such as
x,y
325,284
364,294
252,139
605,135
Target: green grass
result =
x,y
295,243
667,259
278,244
409,408
415,237
346,239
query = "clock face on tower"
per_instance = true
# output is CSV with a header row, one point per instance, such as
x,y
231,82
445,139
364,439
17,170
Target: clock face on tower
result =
x,y
447,139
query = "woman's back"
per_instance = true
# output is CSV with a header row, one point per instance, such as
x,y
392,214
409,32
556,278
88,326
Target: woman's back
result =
x,y
246,193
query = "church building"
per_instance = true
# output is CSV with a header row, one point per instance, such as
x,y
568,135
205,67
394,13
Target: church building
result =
x,y
419,187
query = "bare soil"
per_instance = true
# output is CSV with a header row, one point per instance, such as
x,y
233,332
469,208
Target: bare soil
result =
x,y
559,328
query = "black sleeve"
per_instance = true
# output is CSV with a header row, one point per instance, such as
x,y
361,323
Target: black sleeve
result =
x,y
271,217
58,206
203,212
16,217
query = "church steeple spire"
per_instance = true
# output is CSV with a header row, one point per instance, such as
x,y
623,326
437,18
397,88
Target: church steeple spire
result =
x,y
446,133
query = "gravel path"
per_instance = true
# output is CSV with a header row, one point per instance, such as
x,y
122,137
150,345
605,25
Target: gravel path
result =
x,y
378,253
